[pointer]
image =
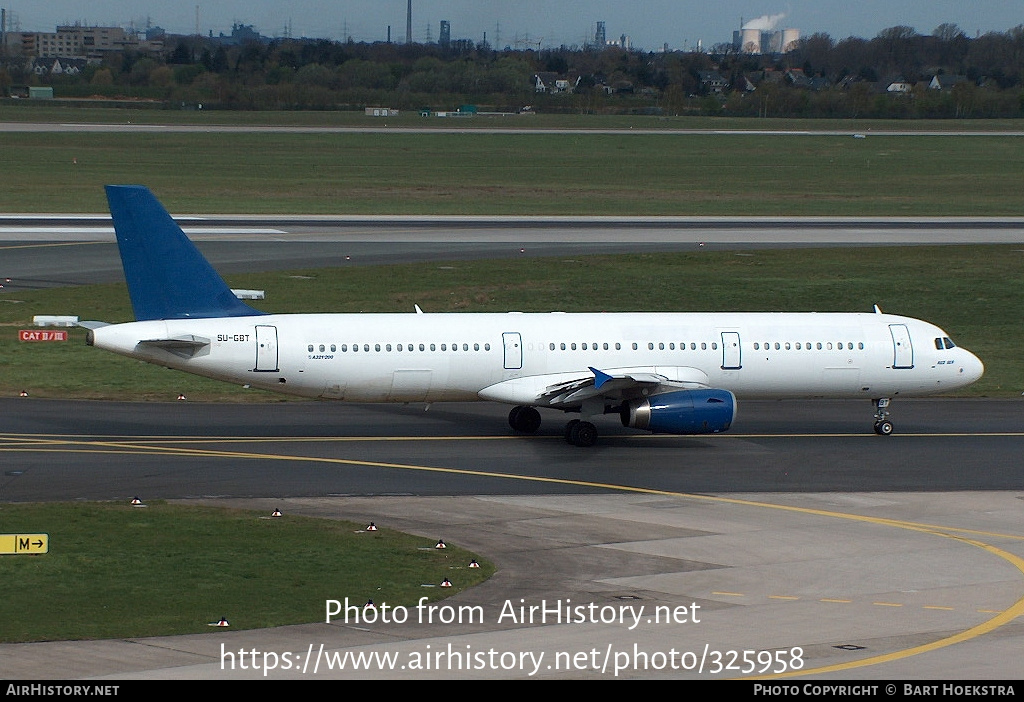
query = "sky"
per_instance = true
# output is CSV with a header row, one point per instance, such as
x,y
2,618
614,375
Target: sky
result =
x,y
650,24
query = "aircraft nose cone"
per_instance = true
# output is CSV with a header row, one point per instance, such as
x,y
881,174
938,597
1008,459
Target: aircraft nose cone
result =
x,y
972,368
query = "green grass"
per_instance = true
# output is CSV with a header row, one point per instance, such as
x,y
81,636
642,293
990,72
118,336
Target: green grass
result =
x,y
476,173
974,292
116,571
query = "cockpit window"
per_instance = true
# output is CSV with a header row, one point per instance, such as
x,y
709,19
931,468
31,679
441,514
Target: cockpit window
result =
x,y
949,342
938,344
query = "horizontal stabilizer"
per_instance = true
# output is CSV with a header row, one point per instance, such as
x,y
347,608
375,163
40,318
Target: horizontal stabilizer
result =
x,y
184,346
167,276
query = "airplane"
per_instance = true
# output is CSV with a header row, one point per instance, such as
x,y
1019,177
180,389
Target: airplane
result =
x,y
672,373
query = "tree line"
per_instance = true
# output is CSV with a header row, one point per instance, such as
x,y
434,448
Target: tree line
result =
x,y
821,77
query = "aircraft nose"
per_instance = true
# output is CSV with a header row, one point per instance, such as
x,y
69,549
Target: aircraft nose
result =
x,y
971,368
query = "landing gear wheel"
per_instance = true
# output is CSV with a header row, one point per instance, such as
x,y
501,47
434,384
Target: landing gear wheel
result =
x,y
883,427
580,433
524,419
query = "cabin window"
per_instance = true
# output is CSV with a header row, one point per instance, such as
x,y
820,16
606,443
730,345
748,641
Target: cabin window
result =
x,y
714,345
333,348
787,346
618,346
634,346
703,346
465,347
606,346
778,346
476,347
756,346
311,348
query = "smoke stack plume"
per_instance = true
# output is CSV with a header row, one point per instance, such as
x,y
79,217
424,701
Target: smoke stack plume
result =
x,y
765,23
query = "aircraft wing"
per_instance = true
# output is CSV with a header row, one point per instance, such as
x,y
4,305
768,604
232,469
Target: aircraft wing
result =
x,y
567,390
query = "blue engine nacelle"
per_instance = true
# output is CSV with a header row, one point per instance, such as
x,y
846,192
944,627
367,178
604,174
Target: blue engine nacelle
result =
x,y
682,412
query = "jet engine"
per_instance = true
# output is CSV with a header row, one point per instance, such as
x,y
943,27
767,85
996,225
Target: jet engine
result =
x,y
682,412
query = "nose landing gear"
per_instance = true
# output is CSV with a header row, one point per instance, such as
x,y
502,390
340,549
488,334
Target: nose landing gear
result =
x,y
883,427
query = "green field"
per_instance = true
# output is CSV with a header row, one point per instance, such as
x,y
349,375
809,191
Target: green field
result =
x,y
115,571
974,292
631,174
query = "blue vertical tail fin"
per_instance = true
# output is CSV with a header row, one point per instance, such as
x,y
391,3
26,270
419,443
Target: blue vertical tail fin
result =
x,y
167,276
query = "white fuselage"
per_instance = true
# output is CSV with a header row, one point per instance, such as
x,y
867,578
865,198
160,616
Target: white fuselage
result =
x,y
457,357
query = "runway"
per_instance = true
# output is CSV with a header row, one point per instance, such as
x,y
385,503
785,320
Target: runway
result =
x,y
41,251
478,125
878,558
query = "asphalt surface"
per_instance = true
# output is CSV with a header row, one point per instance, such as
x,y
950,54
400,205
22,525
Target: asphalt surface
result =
x,y
478,125
799,533
41,251
62,450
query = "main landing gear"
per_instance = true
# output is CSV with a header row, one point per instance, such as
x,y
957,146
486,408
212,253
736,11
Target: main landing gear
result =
x,y
580,433
883,427
526,419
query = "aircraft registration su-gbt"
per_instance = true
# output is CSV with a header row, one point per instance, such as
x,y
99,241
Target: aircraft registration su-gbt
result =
x,y
673,373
